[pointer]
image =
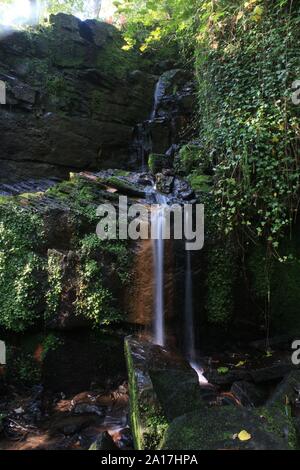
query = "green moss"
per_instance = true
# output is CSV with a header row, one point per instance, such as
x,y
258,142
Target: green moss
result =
x,y
155,426
201,183
124,187
23,368
188,159
113,60
157,162
134,401
55,283
278,421
21,267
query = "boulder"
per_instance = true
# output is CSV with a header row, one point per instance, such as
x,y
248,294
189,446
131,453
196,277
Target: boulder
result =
x,y
249,394
218,429
164,183
158,385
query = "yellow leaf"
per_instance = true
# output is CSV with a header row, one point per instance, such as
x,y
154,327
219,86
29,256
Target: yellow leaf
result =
x,y
244,436
241,364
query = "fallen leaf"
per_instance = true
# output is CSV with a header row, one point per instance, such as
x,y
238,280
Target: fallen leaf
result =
x,y
244,436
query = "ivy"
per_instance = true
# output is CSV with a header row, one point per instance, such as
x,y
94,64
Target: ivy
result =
x,y
21,267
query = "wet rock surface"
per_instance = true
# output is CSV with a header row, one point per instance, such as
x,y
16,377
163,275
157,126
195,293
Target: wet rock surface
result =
x,y
101,424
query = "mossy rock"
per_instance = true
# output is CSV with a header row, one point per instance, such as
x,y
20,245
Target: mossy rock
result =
x,y
157,162
52,262
218,429
159,384
125,187
172,386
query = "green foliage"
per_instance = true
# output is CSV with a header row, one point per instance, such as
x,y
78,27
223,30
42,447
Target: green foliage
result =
x,y
188,158
149,24
22,368
249,125
156,425
50,343
55,283
21,267
201,183
220,281
246,61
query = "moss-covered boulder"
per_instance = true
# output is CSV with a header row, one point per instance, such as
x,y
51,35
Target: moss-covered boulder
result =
x,y
219,429
158,385
54,270
170,410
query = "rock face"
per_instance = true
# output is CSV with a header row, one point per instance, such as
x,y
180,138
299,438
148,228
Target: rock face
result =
x,y
156,140
163,418
72,102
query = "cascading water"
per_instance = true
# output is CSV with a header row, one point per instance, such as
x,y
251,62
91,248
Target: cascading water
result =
x,y
189,326
158,222
159,92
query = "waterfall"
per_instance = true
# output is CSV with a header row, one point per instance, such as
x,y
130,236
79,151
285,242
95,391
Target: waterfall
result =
x,y
189,323
158,221
189,335
159,92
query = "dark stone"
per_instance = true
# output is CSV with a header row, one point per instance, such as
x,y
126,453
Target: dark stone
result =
x,y
125,442
279,342
232,376
70,104
248,394
3,389
287,390
274,372
104,442
164,183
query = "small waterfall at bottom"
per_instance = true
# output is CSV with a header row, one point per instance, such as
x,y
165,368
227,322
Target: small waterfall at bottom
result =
x,y
158,221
